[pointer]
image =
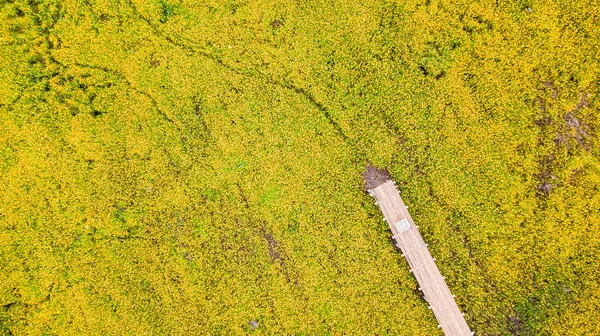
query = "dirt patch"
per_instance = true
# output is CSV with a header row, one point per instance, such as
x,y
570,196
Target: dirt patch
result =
x,y
276,23
515,324
375,177
578,128
571,132
188,256
545,188
272,246
278,255
583,102
545,177
544,121
154,63
577,176
575,128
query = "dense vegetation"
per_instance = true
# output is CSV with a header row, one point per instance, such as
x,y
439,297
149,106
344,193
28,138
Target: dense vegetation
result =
x,y
185,167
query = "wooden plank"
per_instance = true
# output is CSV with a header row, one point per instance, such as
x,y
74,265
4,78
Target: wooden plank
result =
x,y
421,262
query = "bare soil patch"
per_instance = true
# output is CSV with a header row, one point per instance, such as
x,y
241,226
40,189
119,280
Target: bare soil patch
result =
x,y
515,324
374,177
545,177
575,127
273,248
278,255
276,23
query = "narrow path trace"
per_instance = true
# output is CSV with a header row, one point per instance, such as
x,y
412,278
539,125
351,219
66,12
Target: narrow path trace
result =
x,y
422,264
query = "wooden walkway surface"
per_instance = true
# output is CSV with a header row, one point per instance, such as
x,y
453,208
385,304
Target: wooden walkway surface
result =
x,y
422,264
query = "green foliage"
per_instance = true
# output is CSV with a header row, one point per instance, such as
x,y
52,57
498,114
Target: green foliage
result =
x,y
167,11
186,168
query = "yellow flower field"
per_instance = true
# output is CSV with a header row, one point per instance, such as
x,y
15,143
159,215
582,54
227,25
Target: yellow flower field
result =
x,y
175,167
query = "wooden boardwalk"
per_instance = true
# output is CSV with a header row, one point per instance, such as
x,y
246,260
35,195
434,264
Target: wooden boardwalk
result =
x,y
422,264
